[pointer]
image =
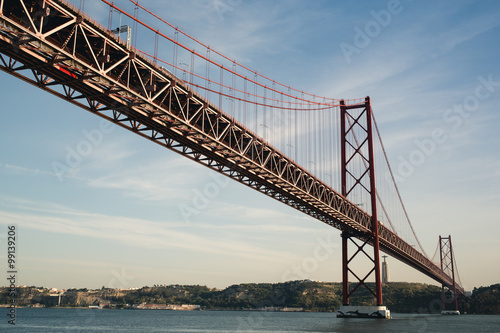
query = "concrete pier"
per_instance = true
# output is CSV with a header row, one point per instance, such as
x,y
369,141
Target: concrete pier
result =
x,y
350,311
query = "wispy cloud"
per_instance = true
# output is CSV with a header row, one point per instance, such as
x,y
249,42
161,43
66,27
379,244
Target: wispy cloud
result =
x,y
126,231
156,179
21,170
403,47
258,222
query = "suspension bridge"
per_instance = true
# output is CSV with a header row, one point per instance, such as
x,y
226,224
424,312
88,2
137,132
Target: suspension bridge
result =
x,y
319,155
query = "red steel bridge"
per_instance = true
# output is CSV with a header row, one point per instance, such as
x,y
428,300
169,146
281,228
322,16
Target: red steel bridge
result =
x,y
318,155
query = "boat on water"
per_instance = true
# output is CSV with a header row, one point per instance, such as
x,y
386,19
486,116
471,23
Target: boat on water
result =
x,y
450,312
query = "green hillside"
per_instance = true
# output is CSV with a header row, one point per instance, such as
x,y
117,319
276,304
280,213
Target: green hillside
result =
x,y
400,297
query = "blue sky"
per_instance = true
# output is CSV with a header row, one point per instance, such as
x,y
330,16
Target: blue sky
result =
x,y
116,219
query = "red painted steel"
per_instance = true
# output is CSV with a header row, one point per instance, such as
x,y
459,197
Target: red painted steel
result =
x,y
112,5
345,271
220,54
447,263
373,197
361,147
80,61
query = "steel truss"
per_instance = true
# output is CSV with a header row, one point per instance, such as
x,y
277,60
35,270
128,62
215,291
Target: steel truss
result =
x,y
447,265
359,148
50,44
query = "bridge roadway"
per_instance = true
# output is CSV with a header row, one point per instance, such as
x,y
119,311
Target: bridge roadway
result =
x,y
63,52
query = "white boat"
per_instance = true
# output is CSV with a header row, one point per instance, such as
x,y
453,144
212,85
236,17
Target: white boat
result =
x,y
450,312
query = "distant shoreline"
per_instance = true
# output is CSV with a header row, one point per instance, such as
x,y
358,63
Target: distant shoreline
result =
x,y
297,296
232,310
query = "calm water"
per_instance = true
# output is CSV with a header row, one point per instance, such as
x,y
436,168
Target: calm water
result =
x,y
85,320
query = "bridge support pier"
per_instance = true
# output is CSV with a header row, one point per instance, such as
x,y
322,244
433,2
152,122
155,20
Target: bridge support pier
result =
x,y
350,311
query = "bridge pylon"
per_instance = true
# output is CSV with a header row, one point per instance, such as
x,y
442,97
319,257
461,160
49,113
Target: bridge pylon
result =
x,y
358,176
447,265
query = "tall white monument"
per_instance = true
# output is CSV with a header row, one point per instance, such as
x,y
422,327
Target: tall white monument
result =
x,y
385,271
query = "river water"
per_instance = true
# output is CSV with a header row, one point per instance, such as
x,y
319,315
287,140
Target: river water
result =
x,y
126,321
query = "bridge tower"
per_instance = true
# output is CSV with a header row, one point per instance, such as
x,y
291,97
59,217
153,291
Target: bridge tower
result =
x,y
447,265
358,176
